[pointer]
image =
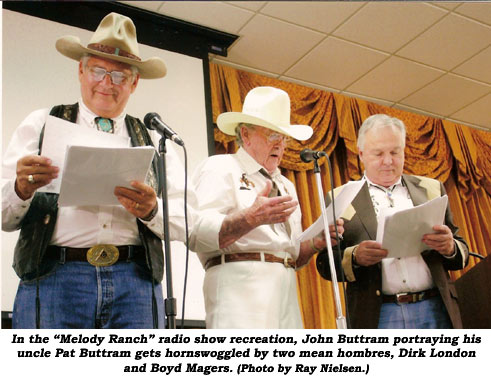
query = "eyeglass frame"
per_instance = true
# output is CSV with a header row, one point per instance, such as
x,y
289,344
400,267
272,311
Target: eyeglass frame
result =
x,y
123,81
271,136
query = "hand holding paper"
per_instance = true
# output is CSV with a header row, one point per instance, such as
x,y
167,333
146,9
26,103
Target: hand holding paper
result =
x,y
401,232
59,134
440,240
341,202
140,200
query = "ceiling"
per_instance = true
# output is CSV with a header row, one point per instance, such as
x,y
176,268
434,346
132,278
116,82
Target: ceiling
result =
x,y
431,58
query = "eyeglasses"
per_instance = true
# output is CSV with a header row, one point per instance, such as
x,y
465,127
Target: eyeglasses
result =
x,y
274,137
117,77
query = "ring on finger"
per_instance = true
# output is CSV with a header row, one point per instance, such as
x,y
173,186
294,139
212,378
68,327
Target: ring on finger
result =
x,y
137,206
30,179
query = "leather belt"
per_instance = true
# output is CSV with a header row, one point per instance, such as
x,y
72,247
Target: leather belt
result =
x,y
99,255
239,257
411,297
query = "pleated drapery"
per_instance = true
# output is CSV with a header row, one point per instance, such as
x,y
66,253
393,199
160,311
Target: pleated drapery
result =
x,y
455,154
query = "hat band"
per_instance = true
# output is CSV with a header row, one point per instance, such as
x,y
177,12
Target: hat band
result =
x,y
110,50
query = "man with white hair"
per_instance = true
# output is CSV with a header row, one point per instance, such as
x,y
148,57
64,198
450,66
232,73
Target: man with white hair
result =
x,y
411,292
249,220
91,266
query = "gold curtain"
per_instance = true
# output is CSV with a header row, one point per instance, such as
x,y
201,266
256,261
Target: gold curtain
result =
x,y
457,155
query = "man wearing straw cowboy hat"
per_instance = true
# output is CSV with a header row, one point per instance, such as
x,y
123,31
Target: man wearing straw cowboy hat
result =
x,y
93,266
249,219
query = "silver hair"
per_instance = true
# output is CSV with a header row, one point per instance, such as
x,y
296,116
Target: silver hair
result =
x,y
380,120
86,56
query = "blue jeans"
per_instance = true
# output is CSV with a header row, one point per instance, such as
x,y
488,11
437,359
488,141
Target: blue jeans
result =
x,y
79,295
429,314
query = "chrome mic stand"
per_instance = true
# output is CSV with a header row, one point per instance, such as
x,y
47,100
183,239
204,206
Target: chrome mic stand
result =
x,y
340,319
170,302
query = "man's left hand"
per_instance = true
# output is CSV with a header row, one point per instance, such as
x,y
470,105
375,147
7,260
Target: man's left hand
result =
x,y
441,241
320,242
139,201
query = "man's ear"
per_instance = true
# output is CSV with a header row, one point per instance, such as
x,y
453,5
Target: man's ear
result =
x,y
245,134
80,69
135,83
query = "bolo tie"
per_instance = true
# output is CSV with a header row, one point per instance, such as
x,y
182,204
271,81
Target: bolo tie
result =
x,y
104,124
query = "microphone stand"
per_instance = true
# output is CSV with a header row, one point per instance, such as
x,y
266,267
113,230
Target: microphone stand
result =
x,y
340,319
170,302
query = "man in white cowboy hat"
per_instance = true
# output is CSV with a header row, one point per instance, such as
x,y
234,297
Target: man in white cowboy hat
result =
x,y
62,286
249,220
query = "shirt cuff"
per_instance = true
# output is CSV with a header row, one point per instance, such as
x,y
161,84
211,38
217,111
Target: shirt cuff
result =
x,y
348,264
206,232
13,208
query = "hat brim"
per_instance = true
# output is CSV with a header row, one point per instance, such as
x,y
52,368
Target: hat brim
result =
x,y
151,68
228,121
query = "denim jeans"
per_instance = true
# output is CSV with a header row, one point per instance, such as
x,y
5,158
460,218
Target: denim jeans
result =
x,y
79,295
427,314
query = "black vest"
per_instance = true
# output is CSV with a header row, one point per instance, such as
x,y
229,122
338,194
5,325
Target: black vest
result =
x,y
38,224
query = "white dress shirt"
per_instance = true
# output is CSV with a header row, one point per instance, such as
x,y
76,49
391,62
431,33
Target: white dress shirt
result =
x,y
88,225
225,184
409,274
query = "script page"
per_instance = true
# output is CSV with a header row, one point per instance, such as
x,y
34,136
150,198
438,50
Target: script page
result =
x,y
341,203
401,232
91,173
59,134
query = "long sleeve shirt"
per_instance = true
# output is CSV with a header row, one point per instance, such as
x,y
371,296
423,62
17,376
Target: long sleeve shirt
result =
x,y
88,225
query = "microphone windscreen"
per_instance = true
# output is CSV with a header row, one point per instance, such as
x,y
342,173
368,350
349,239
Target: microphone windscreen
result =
x,y
306,155
148,119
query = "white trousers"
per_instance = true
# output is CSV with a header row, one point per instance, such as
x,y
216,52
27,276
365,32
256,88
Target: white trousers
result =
x,y
251,294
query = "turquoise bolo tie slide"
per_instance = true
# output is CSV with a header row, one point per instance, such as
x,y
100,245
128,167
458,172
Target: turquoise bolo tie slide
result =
x,y
104,124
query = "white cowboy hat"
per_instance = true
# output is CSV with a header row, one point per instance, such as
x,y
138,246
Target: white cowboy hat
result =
x,y
115,39
267,107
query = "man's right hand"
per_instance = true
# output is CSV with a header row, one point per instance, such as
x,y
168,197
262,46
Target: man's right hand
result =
x,y
269,210
41,170
265,210
369,253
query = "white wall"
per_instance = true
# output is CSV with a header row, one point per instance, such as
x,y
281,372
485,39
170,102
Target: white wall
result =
x,y
36,76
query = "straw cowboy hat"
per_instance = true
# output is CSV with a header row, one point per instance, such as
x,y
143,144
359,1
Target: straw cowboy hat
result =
x,y
115,39
268,107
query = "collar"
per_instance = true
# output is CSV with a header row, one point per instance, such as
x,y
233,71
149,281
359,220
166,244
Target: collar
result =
x,y
250,165
88,116
372,184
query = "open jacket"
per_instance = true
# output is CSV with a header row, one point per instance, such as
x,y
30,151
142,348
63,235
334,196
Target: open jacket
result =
x,y
364,284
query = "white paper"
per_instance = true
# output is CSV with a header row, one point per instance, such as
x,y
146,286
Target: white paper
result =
x,y
91,173
400,232
59,134
341,203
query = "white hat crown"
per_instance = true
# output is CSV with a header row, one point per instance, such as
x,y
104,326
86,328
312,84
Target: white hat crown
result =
x,y
269,104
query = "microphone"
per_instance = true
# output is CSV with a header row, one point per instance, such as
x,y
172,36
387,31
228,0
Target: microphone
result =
x,y
307,155
153,121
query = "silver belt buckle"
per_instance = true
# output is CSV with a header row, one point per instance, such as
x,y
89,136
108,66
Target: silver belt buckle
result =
x,y
398,295
103,255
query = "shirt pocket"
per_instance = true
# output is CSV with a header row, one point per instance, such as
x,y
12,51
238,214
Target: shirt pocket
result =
x,y
246,198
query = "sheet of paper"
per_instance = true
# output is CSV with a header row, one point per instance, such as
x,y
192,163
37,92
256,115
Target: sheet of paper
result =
x,y
91,173
59,134
341,203
401,232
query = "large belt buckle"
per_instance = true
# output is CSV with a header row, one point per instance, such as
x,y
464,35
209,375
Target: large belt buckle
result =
x,y
103,255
